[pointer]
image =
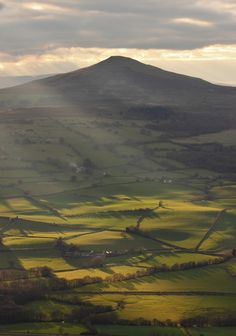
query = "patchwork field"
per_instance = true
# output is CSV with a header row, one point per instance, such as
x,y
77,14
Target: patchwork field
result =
x,y
107,203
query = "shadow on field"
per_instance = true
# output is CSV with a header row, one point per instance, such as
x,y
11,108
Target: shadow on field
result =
x,y
9,259
188,280
170,234
26,227
118,214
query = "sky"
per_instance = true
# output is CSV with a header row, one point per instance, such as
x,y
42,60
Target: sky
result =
x,y
195,37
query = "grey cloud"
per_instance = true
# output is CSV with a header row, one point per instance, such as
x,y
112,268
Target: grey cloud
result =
x,y
114,24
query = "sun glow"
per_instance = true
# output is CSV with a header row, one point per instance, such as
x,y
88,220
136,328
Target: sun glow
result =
x,y
44,7
194,22
34,6
198,62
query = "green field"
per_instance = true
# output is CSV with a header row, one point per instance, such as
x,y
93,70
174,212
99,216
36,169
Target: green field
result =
x,y
213,331
139,331
86,179
43,328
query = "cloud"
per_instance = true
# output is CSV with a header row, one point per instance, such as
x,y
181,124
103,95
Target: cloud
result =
x,y
194,22
174,24
34,29
68,59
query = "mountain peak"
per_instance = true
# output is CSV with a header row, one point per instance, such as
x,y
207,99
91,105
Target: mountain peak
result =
x,y
119,60
122,79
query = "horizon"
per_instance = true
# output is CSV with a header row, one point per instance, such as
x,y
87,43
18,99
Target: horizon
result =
x,y
29,77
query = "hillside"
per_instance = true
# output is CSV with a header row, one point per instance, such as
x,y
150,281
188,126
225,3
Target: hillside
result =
x,y
121,80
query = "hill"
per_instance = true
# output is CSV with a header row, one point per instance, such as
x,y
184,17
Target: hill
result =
x,y
123,81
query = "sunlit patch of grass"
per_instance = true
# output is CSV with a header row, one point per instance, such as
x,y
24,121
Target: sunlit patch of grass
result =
x,y
111,240
118,330
213,278
164,307
27,242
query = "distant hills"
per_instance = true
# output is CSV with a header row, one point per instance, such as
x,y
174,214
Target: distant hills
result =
x,y
9,81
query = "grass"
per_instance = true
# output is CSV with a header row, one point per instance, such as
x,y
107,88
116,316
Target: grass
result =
x,y
101,272
225,137
213,279
48,307
167,258
229,331
138,331
43,328
37,258
165,308
131,171
112,240
29,242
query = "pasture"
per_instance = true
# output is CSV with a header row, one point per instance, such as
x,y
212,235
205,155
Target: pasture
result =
x,y
109,188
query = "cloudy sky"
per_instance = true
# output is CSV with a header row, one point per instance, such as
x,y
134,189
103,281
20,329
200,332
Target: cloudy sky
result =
x,y
196,37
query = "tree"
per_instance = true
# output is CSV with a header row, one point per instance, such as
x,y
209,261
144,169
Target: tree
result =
x,y
60,243
46,272
120,305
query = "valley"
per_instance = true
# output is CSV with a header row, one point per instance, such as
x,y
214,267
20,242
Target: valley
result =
x,y
117,214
